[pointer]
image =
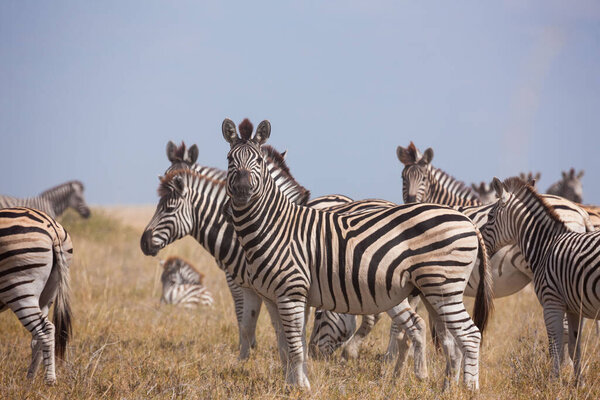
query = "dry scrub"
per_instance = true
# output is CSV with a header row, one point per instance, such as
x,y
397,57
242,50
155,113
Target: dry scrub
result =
x,y
127,347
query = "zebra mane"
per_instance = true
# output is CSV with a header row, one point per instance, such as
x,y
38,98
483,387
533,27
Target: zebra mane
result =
x,y
173,259
301,194
69,183
524,191
179,152
164,188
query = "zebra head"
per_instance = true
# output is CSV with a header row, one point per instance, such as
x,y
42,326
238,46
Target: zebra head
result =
x,y
486,193
330,331
246,166
570,186
174,217
499,231
76,200
415,175
181,155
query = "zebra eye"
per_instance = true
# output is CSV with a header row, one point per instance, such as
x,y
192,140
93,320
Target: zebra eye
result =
x,y
259,161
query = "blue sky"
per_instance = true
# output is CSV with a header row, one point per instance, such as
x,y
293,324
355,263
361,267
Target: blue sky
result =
x,y
94,90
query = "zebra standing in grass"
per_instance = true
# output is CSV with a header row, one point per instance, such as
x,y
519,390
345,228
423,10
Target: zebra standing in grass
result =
x,y
182,284
35,254
361,263
192,201
565,264
53,201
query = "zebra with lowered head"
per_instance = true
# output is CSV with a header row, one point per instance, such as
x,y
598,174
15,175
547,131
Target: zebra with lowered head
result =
x,y
182,284
35,254
361,263
565,264
53,201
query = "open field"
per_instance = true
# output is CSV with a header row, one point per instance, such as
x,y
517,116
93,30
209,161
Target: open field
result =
x,y
127,346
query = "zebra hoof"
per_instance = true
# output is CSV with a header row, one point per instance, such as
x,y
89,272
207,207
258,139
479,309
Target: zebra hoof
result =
x,y
50,382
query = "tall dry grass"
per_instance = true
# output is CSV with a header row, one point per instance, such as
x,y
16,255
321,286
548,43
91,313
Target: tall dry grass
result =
x,y
127,347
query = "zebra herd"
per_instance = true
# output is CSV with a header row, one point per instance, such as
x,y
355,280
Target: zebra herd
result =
x,y
343,257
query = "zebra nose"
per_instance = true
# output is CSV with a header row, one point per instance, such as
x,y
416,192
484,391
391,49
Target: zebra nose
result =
x,y
146,244
242,183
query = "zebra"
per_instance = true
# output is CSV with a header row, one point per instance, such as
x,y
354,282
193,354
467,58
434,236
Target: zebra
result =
x,y
182,284
569,186
53,201
298,256
487,195
201,217
565,264
35,254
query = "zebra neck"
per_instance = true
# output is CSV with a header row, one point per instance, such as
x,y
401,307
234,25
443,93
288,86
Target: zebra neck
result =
x,y
535,231
449,191
58,198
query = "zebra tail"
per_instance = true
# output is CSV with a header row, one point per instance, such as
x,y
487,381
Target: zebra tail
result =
x,y
484,304
62,303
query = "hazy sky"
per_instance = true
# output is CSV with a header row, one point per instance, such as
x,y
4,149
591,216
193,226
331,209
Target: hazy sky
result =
x,y
94,90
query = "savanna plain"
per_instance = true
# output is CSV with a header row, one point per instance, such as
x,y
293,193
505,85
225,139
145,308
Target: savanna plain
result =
x,y
127,346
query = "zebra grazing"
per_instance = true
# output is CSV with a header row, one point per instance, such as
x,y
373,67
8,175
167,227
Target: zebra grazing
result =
x,y
569,186
182,284
53,201
360,263
565,264
35,254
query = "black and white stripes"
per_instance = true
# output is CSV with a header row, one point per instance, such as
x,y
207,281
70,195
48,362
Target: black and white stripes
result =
x,y
362,263
35,253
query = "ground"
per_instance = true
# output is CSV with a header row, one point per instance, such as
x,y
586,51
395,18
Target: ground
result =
x,y
126,346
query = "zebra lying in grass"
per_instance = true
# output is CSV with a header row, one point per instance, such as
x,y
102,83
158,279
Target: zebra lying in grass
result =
x,y
35,254
182,284
53,201
565,264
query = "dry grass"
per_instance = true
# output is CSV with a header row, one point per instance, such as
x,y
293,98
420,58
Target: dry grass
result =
x,y
126,346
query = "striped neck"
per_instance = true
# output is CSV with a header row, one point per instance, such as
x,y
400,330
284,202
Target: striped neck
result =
x,y
59,197
534,224
444,189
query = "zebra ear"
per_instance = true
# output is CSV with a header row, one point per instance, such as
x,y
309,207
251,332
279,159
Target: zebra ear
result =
x,y
405,156
284,154
537,176
171,149
192,156
427,156
263,131
498,187
564,175
229,131
580,174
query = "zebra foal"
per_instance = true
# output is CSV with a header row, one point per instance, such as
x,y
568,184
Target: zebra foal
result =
x,y
35,254
182,284
362,263
565,264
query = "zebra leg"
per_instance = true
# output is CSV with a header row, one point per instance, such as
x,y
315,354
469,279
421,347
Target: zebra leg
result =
x,y
597,323
553,318
452,315
251,310
415,329
446,341
575,328
36,358
278,327
398,340
352,346
292,312
567,351
238,301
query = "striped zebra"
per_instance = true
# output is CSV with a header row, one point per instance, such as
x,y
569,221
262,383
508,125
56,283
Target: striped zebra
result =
x,y
182,284
565,264
362,263
35,254
53,201
569,186
192,201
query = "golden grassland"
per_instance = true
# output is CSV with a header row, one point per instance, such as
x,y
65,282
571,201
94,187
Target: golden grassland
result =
x,y
126,346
